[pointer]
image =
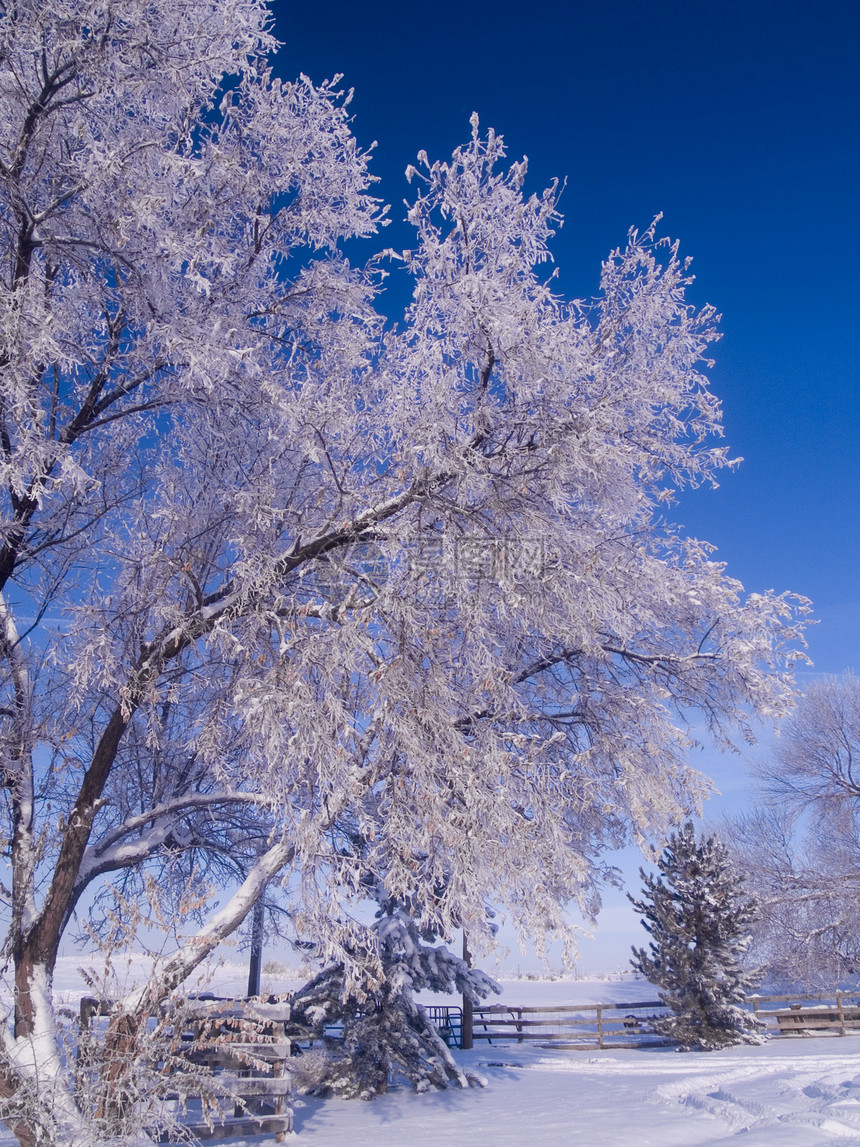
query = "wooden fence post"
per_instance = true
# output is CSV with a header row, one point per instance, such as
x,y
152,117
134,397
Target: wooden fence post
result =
x,y
841,1013
281,1102
599,1026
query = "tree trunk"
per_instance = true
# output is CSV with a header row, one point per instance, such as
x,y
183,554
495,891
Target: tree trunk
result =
x,y
120,1054
23,1132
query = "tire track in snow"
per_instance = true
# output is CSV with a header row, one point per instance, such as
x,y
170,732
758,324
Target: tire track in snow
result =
x,y
743,1095
822,1099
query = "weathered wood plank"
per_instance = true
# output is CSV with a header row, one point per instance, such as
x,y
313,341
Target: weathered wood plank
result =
x,y
636,1005
236,1126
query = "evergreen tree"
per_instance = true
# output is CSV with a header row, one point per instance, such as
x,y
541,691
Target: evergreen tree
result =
x,y
699,918
384,1029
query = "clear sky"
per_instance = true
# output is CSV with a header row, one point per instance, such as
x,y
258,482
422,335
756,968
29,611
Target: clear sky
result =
x,y
739,121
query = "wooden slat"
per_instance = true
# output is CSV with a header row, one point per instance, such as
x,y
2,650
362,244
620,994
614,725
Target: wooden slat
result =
x,y
498,1009
234,1055
818,998
519,1035
530,1023
264,1125
565,1037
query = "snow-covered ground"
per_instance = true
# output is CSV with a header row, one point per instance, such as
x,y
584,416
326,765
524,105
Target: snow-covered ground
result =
x,y
790,1092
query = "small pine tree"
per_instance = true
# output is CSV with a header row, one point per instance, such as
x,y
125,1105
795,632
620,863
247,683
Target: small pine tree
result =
x,y
384,1028
699,919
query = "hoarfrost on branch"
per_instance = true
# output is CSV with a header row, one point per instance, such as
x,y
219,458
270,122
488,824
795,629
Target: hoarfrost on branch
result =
x,y
800,844
290,592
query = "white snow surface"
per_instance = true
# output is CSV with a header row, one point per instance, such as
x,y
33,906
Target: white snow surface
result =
x,y
789,1092
794,1093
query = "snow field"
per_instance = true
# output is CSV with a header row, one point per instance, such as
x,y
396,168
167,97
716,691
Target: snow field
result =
x,y
789,1092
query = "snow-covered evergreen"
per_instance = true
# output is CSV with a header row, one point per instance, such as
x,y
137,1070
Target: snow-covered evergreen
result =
x,y
699,918
385,1029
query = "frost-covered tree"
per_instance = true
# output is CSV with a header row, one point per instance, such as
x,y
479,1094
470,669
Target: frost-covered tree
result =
x,y
289,595
801,849
699,918
814,765
156,327
807,932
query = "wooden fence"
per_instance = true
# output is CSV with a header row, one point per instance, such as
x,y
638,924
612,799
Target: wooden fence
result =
x,y
834,1013
580,1026
589,1026
227,1035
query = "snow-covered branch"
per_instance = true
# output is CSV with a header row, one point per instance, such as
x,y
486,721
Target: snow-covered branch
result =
x,y
220,925
403,597
150,830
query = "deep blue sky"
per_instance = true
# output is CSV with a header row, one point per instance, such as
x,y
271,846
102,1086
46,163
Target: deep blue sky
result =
x,y
739,121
